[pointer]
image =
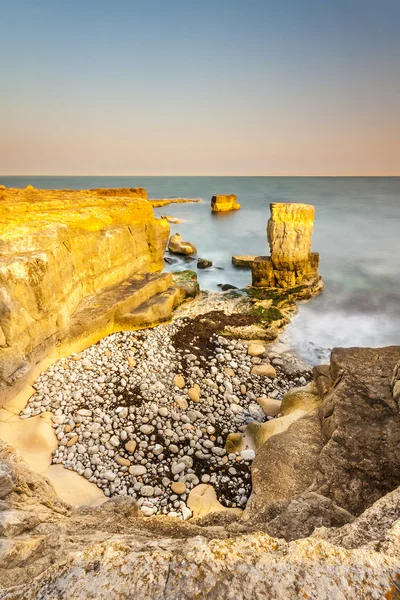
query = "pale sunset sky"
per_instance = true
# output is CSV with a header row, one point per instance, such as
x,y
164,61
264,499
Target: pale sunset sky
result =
x,y
216,87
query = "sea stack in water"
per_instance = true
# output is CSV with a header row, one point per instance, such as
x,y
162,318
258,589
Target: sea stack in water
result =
x,y
223,203
291,263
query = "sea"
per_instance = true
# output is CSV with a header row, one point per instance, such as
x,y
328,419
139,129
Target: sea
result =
x,y
356,232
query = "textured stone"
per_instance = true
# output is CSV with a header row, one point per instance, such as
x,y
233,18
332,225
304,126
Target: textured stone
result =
x,y
256,349
194,394
203,500
52,550
179,381
130,446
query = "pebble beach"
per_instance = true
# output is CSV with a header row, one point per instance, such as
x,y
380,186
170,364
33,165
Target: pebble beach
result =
x,y
156,412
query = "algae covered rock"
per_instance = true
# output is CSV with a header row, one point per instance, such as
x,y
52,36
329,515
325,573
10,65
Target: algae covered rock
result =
x,y
187,282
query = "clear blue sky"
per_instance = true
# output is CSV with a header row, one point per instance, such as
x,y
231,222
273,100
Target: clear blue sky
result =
x,y
210,87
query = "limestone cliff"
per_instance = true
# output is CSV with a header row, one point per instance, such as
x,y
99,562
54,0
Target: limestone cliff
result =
x,y
73,264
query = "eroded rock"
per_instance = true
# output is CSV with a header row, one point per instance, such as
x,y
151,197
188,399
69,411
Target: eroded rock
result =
x,y
291,263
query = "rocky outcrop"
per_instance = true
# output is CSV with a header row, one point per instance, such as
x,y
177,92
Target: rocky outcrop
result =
x,y
52,550
74,266
177,246
291,263
224,203
336,461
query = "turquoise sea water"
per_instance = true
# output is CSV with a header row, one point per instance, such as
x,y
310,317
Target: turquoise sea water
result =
x,y
357,232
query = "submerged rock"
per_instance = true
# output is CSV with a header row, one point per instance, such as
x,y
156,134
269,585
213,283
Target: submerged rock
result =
x,y
203,263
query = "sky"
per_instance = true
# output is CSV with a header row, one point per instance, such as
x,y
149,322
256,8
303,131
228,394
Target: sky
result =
x,y
210,87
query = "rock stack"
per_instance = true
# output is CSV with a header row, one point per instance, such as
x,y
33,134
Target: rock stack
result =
x,y
223,203
291,262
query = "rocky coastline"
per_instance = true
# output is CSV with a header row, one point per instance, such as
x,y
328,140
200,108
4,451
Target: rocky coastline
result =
x,y
169,443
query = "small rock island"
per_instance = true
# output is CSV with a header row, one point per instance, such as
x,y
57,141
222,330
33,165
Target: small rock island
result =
x,y
223,203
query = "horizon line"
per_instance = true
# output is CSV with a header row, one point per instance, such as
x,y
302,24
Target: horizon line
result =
x,y
208,175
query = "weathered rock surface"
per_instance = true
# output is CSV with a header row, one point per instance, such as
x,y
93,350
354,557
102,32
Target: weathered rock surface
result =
x,y
68,260
224,203
52,550
291,263
337,460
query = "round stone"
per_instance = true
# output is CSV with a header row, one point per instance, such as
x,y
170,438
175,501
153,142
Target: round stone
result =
x,y
178,487
179,381
256,350
130,446
137,470
194,394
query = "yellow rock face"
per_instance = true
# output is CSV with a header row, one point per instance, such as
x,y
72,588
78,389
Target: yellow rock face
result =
x,y
58,251
289,235
291,262
224,203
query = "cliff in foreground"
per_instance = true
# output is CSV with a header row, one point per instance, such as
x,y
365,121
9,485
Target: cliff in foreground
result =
x,y
73,267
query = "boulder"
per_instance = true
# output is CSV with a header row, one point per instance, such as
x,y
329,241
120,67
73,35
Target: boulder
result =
x,y
258,433
223,203
177,246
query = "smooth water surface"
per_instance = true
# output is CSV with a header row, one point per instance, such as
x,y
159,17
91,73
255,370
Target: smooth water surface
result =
x,y
356,231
